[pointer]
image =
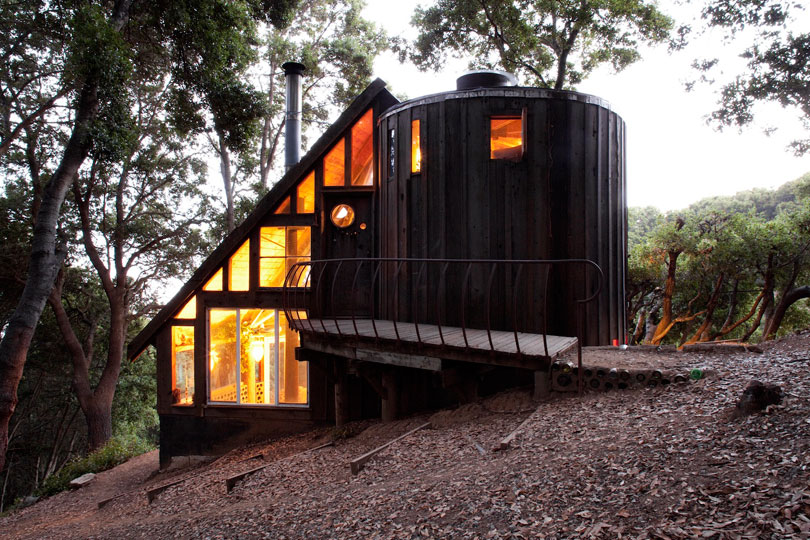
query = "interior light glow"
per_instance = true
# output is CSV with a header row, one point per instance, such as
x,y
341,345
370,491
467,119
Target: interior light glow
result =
x,y
342,215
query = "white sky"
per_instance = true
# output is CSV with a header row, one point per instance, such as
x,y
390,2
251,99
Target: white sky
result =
x,y
673,157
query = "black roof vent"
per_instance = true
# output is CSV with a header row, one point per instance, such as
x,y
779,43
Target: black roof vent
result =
x,y
485,78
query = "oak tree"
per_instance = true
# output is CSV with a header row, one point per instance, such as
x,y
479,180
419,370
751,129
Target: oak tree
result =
x,y
548,43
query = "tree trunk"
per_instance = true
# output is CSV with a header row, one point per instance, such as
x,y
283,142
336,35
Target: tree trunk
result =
x,y
99,424
767,298
640,326
727,328
702,332
227,180
787,300
666,301
46,259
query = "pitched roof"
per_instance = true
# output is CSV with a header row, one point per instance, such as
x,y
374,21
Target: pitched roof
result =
x,y
265,206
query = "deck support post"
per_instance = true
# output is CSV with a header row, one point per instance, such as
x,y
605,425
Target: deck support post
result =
x,y
341,393
542,385
390,409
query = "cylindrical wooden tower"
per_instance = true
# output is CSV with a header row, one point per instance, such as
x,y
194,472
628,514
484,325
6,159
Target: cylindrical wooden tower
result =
x,y
505,172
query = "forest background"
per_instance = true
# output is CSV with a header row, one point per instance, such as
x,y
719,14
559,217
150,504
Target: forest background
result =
x,y
113,115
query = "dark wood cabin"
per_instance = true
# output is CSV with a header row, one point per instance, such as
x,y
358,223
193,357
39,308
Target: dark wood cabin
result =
x,y
432,249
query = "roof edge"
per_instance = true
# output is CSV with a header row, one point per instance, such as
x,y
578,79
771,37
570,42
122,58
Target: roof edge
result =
x,y
266,204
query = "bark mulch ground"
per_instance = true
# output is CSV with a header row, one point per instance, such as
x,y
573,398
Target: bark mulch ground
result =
x,y
664,462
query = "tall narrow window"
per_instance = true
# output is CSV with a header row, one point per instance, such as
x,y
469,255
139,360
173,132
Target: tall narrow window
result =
x,y
305,193
334,166
506,138
253,359
182,365
362,151
223,375
239,269
392,153
416,147
280,248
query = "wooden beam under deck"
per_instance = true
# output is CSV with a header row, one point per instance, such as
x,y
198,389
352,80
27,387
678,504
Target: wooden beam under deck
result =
x,y
406,345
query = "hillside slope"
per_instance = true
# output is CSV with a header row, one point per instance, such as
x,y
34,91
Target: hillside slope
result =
x,y
666,462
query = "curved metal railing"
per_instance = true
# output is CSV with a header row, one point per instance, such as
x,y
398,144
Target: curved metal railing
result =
x,y
378,289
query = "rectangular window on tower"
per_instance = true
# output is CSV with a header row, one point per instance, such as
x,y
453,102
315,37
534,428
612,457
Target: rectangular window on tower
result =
x,y
416,147
506,134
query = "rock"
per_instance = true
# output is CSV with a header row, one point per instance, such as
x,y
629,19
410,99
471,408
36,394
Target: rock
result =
x,y
757,396
28,501
82,481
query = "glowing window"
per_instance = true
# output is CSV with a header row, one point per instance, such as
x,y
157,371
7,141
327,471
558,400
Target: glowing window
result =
x,y
222,372
182,365
215,283
283,207
362,150
342,215
239,269
279,249
189,311
334,166
258,359
506,138
306,195
416,147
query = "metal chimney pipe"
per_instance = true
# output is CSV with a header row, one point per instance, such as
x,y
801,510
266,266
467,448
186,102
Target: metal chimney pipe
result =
x,y
292,134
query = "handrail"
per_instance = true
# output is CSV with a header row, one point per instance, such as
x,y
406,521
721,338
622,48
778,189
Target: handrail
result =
x,y
299,299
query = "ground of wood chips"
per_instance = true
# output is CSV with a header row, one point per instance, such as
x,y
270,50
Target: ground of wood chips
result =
x,y
665,462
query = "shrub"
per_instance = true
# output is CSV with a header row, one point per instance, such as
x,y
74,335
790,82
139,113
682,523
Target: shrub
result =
x,y
117,450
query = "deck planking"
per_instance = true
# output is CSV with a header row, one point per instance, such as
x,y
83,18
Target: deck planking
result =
x,y
478,339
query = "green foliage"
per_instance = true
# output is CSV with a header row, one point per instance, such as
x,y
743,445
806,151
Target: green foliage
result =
x,y
737,260
117,450
778,60
549,43
133,413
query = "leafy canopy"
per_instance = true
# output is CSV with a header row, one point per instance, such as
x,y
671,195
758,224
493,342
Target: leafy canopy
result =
x,y
548,43
777,60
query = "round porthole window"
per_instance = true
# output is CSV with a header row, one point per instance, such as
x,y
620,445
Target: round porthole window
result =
x,y
342,215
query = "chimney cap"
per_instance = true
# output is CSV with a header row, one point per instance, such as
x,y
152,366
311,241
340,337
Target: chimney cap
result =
x,y
293,68
485,78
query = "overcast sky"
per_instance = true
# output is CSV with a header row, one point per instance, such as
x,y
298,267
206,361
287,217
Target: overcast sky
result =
x,y
673,158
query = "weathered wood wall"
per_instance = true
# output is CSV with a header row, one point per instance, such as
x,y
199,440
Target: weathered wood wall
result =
x,y
565,199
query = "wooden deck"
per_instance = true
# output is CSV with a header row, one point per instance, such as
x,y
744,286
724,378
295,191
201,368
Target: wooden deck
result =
x,y
495,347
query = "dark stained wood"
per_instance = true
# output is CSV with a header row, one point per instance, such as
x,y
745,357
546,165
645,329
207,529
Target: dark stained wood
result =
x,y
341,394
565,199
390,403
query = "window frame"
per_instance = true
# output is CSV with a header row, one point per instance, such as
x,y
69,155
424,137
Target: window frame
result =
x,y
522,115
259,257
346,137
237,403
421,146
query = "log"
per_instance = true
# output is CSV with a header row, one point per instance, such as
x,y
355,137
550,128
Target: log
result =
x,y
231,481
356,465
154,492
507,441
